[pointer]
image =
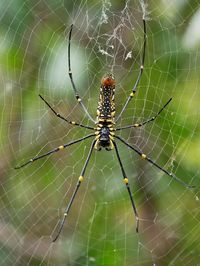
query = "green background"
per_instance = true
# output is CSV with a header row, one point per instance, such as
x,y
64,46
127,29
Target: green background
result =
x,y
100,229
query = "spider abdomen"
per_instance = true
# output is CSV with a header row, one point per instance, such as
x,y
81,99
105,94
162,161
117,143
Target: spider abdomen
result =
x,y
106,106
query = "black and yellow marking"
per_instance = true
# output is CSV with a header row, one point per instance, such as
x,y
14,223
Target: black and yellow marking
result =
x,y
106,114
61,147
132,94
106,105
78,98
111,144
96,146
126,180
143,156
111,137
62,117
80,179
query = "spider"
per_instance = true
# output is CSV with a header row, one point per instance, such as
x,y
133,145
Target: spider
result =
x,y
105,130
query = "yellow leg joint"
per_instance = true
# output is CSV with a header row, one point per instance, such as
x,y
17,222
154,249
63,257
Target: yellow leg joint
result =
x,y
97,137
111,145
136,125
132,94
81,178
111,137
73,123
96,146
126,180
143,156
61,147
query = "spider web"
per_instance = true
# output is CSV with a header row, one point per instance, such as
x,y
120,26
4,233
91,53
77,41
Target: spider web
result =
x,y
107,37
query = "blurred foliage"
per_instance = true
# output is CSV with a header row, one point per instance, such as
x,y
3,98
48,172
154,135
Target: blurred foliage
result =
x,y
100,228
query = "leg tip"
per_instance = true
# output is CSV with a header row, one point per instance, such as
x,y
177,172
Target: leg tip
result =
x,y
55,238
137,225
71,27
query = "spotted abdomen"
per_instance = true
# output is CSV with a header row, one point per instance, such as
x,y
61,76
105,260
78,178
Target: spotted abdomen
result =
x,y
106,106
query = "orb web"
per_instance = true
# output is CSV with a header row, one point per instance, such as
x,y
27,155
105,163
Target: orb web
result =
x,y
100,228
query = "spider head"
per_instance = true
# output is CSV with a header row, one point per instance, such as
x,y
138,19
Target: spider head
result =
x,y
108,80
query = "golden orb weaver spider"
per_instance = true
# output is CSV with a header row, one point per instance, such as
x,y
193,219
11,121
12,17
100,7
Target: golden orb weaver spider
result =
x,y
105,130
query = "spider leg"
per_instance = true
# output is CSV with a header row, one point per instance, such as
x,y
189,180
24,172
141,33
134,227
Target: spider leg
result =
x,y
63,118
54,150
127,186
80,179
149,120
145,157
71,78
140,73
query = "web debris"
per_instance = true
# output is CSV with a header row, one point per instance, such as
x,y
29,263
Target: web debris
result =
x,y
145,11
106,5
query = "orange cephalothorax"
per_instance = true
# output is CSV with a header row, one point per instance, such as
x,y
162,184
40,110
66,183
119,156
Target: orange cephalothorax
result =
x,y
108,81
